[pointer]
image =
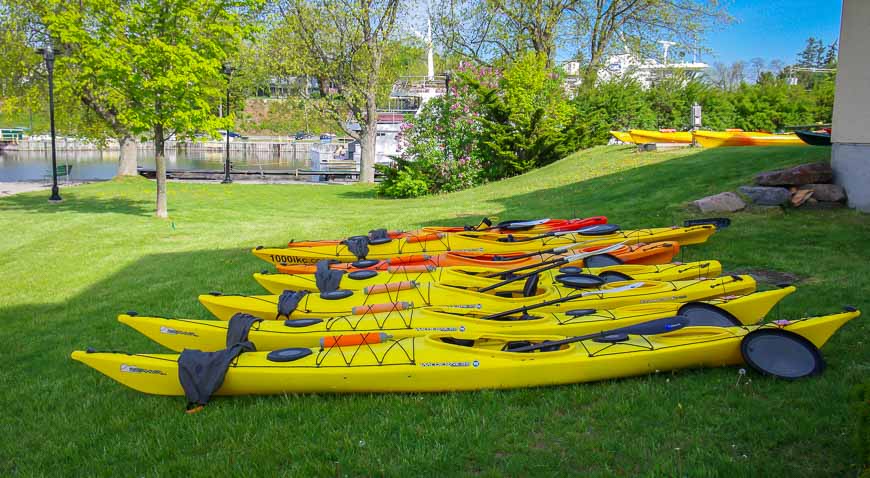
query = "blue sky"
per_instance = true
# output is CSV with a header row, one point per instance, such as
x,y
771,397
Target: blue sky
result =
x,y
773,29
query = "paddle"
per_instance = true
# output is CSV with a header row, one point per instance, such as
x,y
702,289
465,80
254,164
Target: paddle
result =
x,y
557,263
560,300
598,230
554,250
653,327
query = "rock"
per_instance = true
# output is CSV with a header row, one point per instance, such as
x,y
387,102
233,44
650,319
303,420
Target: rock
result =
x,y
722,202
765,196
812,173
826,192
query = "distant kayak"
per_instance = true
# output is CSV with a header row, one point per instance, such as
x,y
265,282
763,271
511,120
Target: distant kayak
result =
x,y
641,136
623,136
715,139
814,138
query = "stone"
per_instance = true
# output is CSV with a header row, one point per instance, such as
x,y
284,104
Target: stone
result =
x,y
766,196
722,202
812,173
826,192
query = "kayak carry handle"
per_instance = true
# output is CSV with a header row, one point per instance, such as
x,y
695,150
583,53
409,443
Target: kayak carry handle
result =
x,y
391,287
376,308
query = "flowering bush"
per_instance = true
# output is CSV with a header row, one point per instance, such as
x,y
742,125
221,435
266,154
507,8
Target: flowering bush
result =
x,y
437,148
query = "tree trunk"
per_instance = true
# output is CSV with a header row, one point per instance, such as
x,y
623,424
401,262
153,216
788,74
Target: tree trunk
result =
x,y
160,162
368,142
127,157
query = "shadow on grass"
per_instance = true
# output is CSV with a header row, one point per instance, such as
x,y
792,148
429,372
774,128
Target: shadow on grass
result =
x,y
650,195
77,202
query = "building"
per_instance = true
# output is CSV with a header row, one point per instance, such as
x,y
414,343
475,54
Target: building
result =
x,y
646,71
850,134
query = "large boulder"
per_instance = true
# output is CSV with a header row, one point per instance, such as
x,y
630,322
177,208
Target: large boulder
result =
x,y
826,192
722,202
812,173
765,196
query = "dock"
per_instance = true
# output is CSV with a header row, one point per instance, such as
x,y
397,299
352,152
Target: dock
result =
x,y
264,175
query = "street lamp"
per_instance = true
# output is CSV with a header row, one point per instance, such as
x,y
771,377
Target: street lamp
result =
x,y
228,72
48,55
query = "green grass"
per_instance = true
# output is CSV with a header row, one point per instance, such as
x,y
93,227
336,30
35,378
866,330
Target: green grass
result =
x,y
69,269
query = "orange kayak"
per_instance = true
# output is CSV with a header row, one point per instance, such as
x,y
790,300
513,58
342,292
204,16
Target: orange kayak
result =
x,y
647,254
533,226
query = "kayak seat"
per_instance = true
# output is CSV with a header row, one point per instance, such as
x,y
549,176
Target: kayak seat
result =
x,y
614,276
602,260
530,288
701,313
580,281
460,342
505,294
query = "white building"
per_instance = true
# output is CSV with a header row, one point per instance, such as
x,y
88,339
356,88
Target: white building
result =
x,y
646,71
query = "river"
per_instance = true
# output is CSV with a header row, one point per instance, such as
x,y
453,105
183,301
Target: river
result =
x,y
96,165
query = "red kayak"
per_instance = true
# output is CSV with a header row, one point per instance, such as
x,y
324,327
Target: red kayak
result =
x,y
534,226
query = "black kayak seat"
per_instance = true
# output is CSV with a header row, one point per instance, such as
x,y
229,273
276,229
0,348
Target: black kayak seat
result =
x,y
579,281
602,260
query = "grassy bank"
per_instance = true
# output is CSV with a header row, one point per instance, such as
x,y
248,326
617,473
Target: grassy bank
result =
x,y
69,269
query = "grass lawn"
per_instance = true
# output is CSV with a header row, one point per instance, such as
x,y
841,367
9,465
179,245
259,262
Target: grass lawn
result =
x,y
69,269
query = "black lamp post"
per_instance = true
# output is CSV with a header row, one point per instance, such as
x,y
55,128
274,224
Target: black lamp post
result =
x,y
228,72
48,54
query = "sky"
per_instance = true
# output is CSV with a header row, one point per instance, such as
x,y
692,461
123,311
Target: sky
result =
x,y
773,29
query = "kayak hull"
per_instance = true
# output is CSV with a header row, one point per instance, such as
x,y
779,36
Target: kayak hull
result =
x,y
640,136
310,253
716,139
210,335
814,138
475,277
608,296
647,254
429,364
622,136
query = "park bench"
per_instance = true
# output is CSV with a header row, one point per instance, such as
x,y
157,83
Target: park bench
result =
x,y
62,170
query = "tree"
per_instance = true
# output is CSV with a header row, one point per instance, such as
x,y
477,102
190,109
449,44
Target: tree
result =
x,y
345,45
150,66
757,65
502,28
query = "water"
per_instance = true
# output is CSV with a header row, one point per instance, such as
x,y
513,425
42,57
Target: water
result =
x,y
96,165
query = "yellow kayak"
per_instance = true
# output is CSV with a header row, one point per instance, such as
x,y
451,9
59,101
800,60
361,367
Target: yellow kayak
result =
x,y
622,136
406,295
641,136
476,277
455,362
311,252
211,335
715,139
